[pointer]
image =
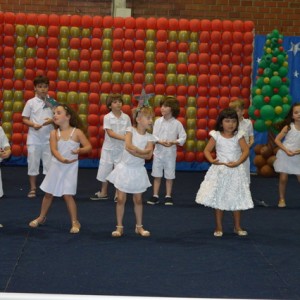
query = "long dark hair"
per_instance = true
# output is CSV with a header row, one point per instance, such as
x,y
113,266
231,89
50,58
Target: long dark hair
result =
x,y
288,119
226,113
75,120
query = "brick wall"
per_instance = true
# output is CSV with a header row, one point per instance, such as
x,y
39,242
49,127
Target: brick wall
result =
x,y
267,15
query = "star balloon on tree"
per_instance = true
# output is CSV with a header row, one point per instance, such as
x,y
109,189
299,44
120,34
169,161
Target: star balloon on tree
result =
x,y
271,100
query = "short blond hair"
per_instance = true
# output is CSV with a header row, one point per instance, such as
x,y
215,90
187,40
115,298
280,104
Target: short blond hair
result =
x,y
239,103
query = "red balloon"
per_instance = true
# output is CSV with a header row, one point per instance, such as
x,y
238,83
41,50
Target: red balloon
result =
x,y
205,25
171,90
214,69
238,25
248,25
97,33
213,102
19,85
173,24
160,67
152,23
237,37
203,58
213,113
181,90
195,25
21,18
202,123
94,98
202,102
16,150
86,21
201,134
149,89
179,156
159,89
95,86
226,37
141,23
53,19
202,113
215,36
161,46
64,20
9,18
213,91
127,88
162,35
129,22
224,90
216,25
214,80
204,48
184,24
189,156
215,59
204,37
202,90
162,23
223,102
40,64
73,86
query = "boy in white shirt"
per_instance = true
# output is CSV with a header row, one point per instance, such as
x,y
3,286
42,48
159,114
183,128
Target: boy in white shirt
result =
x,y
37,115
114,124
169,133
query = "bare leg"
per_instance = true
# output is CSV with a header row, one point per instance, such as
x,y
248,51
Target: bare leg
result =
x,y
104,188
237,224
156,185
72,209
32,182
169,186
237,220
120,209
46,204
219,220
283,179
138,210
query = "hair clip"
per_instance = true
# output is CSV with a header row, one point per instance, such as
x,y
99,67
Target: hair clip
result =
x,y
143,99
50,102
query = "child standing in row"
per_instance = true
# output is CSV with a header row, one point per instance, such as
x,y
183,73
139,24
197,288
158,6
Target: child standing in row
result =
x,y
5,152
37,115
169,133
288,156
67,142
225,186
114,124
130,175
246,126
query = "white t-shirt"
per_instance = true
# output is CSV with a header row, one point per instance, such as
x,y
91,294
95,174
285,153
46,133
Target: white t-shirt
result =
x,y
117,125
37,112
3,140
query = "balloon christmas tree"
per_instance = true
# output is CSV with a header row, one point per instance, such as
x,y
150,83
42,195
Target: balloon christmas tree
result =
x,y
271,100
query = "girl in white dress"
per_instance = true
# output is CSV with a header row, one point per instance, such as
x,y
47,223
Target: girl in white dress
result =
x,y
130,175
288,156
67,142
225,186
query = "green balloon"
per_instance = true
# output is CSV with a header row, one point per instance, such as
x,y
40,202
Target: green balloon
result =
x,y
275,82
276,51
274,66
260,82
275,33
259,125
267,112
285,110
283,90
276,100
251,110
268,72
262,64
280,59
267,90
258,101
283,71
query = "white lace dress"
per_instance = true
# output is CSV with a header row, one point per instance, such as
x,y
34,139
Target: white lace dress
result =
x,y
130,175
61,179
289,164
226,188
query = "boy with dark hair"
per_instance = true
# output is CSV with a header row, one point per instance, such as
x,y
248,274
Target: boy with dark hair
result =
x,y
169,133
114,124
37,115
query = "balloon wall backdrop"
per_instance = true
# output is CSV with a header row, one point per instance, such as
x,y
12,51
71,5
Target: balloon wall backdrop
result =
x,y
204,63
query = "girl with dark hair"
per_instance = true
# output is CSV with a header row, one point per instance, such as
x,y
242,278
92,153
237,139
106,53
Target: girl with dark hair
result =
x,y
67,142
225,186
288,158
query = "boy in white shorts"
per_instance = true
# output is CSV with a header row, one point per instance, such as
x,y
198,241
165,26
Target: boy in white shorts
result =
x,y
169,133
114,124
37,115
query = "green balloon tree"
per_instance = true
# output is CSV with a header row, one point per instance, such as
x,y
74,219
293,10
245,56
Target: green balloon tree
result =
x,y
271,100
